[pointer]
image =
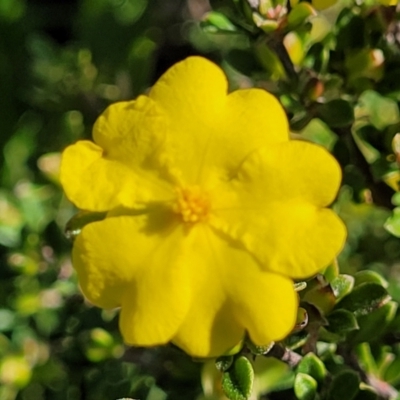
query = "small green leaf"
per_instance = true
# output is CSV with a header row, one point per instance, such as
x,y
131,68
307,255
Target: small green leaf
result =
x,y
336,113
392,373
216,22
305,387
392,224
313,366
331,272
321,297
344,385
369,276
342,285
342,321
269,60
299,14
366,359
396,196
267,25
237,382
375,323
364,299
380,111
318,132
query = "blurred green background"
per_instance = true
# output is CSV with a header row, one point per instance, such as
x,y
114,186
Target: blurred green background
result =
x,y
61,64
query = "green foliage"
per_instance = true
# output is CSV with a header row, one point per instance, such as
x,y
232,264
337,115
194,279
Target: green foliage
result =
x,y
313,367
305,387
342,321
364,299
237,381
344,385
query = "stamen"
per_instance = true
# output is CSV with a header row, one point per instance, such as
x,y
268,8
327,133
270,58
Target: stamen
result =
x,y
192,204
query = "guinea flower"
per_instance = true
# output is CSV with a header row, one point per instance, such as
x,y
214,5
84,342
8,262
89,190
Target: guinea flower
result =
x,y
211,212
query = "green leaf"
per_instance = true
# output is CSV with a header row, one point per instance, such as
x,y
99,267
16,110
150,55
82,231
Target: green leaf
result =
x,y
237,382
396,196
392,224
366,276
344,385
331,272
238,11
336,113
392,373
215,22
269,60
380,111
299,14
305,387
321,297
267,25
318,132
342,285
375,323
366,359
312,366
364,299
272,375
342,321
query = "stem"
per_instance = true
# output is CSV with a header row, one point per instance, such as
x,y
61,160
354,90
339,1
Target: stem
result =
x,y
275,42
284,354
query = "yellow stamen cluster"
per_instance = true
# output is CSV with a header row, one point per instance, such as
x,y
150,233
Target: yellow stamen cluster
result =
x,y
192,204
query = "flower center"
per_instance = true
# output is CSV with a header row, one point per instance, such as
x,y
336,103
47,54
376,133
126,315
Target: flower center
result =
x,y
192,204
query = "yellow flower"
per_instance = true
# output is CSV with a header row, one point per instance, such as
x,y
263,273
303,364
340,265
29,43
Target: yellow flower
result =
x,y
211,212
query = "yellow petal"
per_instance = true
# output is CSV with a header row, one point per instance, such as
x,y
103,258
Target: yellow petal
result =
x,y
232,295
265,304
133,262
94,183
127,165
205,120
274,208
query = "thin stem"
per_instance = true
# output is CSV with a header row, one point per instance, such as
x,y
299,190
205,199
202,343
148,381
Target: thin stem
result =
x,y
284,354
275,42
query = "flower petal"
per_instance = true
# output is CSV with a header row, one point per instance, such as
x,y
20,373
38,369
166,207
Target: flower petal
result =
x,y
274,208
127,166
266,305
204,120
232,295
133,262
